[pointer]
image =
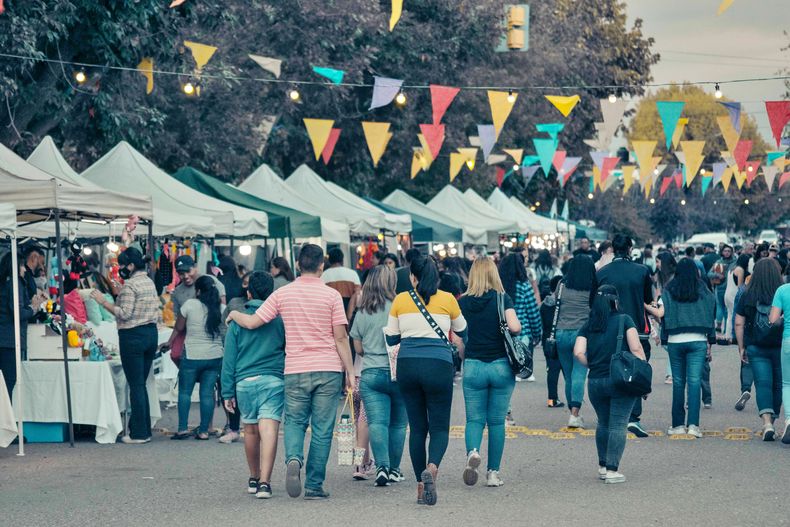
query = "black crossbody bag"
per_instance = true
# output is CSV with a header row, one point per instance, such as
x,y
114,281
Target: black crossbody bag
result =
x,y
550,345
629,374
518,354
434,325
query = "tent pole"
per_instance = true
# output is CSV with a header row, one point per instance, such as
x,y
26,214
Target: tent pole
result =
x,y
151,272
17,345
290,242
63,332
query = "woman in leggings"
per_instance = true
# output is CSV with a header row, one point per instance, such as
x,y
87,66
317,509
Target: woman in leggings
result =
x,y
420,321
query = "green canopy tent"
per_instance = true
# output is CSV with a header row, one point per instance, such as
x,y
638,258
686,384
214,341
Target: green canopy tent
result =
x,y
424,229
284,222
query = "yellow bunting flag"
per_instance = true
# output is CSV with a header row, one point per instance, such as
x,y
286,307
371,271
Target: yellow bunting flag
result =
x,y
644,156
456,164
397,9
694,158
564,104
426,152
318,130
740,177
146,69
501,106
628,177
596,177
470,154
378,136
725,5
726,178
681,126
201,53
416,162
516,153
731,135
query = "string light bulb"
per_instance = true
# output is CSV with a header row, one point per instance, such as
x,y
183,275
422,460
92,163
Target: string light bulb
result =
x,y
683,202
511,97
515,168
590,195
652,201
294,95
470,164
612,98
80,76
400,99
718,94
537,203
188,88
112,246
702,171
245,250
87,251
746,201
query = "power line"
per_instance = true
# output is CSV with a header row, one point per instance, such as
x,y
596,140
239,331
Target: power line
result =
x,y
780,61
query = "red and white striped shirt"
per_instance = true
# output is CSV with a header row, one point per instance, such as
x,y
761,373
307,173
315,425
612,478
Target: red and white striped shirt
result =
x,y
309,309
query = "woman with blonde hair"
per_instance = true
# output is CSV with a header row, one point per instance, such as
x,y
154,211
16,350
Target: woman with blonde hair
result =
x,y
488,378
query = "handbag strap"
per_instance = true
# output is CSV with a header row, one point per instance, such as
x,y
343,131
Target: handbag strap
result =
x,y
557,311
500,309
620,332
428,318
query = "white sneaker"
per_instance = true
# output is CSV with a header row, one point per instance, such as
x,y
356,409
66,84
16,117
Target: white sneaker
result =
x,y
601,473
531,378
695,431
575,421
614,477
676,431
769,432
230,437
470,472
493,479
129,441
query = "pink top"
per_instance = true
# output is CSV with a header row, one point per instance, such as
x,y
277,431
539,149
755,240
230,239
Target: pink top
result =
x,y
309,310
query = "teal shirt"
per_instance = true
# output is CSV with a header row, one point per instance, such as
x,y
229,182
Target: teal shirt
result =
x,y
782,301
252,352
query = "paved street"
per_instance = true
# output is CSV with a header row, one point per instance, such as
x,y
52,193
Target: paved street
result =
x,y
549,480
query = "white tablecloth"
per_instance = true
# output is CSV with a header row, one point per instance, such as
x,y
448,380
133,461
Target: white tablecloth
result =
x,y
93,399
8,429
122,391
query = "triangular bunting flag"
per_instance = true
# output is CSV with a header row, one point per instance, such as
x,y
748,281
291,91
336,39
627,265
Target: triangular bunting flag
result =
x,y
726,178
495,159
778,116
174,3
441,98
271,65
427,158
725,5
740,177
553,129
377,136
706,181
596,179
501,108
515,153
628,177
565,172
669,111
202,53
609,164
598,158
769,173
752,168
784,179
643,150
416,163
329,148
397,10
565,210
612,113
456,164
678,177
665,185
487,138
718,171
528,172
553,210
682,122
469,154
559,159
692,150
742,152
734,110
146,69
731,136
336,76
564,104
500,176
434,136
545,149
318,130
384,91
776,158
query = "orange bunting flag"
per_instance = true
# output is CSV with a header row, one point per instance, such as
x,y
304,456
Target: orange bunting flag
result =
x,y
682,122
378,137
176,3
784,179
725,5
516,153
726,178
434,137
416,162
501,103
318,130
643,150
427,158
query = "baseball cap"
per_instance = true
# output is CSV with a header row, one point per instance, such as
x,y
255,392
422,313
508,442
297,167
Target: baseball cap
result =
x,y
773,247
184,263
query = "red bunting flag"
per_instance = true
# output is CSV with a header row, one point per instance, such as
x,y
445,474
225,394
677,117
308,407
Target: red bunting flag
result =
x,y
500,176
751,171
1,7
778,116
434,136
609,163
741,153
329,148
441,99
559,160
784,179
665,184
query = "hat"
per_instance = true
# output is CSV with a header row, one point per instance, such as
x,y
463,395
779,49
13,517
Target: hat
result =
x,y
773,247
131,256
709,245
184,263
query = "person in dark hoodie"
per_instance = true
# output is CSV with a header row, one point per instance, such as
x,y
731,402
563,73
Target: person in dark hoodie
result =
x,y
230,278
553,366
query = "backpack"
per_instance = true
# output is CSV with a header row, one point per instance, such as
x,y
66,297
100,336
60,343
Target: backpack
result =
x,y
544,281
765,334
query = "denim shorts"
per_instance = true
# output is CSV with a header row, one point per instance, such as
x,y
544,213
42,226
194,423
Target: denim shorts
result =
x,y
261,398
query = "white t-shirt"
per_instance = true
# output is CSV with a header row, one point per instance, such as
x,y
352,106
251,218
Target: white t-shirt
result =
x,y
683,338
340,274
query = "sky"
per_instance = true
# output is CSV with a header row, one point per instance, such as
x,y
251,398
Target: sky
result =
x,y
697,45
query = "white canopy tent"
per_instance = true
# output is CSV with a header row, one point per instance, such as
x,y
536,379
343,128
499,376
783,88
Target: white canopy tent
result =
x,y
400,199
453,201
124,169
535,224
13,166
48,158
265,184
483,207
362,217
559,226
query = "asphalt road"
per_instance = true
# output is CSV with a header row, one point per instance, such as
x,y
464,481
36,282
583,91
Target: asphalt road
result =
x,y
550,480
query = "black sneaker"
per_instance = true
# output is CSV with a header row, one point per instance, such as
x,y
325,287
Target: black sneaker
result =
x,y
293,479
382,477
555,403
252,486
264,491
740,404
316,494
635,428
395,475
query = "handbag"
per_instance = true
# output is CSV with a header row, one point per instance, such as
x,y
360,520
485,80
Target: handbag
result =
x,y
550,346
392,355
346,433
177,348
518,354
629,374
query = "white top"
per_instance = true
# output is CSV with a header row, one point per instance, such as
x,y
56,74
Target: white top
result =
x,y
340,274
683,338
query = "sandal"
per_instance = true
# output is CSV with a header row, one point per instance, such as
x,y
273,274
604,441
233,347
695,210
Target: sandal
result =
x,y
181,435
201,436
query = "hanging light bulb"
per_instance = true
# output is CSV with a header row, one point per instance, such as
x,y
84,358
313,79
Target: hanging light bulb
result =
x,y
537,203
718,94
470,164
652,201
80,76
511,97
188,88
612,98
245,250
746,201
702,171
112,246
294,95
400,99
683,202
590,195
516,167
87,251
750,168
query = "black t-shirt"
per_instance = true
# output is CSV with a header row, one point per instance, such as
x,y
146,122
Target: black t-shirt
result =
x,y
601,345
634,287
485,342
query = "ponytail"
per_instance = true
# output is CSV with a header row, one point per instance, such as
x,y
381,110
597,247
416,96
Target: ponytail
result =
x,y
207,293
427,275
605,302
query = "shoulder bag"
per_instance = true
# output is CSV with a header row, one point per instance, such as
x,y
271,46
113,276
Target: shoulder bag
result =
x,y
518,354
550,346
431,322
629,374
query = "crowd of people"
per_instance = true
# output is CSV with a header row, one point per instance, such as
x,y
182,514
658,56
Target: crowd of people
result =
x,y
398,338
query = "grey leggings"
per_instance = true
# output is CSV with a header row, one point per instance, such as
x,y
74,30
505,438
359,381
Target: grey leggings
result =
x,y
613,410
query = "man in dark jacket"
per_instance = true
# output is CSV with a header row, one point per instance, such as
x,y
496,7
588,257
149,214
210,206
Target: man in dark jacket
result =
x,y
404,283
584,248
635,288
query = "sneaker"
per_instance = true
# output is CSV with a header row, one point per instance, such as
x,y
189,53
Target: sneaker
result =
x,y
707,406
126,440
575,421
695,431
395,475
509,421
429,494
493,479
668,379
293,479
370,468
555,403
470,472
676,431
636,429
531,378
264,491
786,435
769,433
382,477
252,486
178,436
230,437
740,404
316,494
613,476
601,473
360,472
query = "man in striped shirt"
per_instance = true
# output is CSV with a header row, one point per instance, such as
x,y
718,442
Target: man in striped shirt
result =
x,y
317,351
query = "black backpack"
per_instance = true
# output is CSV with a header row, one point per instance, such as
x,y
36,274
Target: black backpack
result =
x,y
765,334
544,281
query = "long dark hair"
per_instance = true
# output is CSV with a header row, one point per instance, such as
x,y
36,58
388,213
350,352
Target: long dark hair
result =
x,y
427,275
230,278
605,302
668,267
743,262
685,285
580,275
511,271
6,270
544,260
766,279
285,268
206,291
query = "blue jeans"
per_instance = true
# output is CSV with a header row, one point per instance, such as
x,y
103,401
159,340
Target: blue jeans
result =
x,y
613,410
387,418
311,397
487,390
687,360
206,372
721,308
767,369
575,373
786,376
